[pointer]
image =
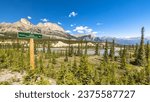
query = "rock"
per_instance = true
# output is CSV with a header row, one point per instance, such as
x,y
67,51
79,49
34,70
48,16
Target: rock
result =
x,y
50,26
25,21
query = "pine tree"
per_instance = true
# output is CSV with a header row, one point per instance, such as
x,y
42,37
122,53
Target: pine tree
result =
x,y
49,49
18,44
70,79
53,60
147,52
43,46
127,55
147,72
85,49
71,52
81,50
74,67
35,47
120,51
36,62
112,51
106,52
123,59
96,49
66,56
66,76
85,72
69,49
136,51
22,48
147,68
96,78
113,73
78,51
41,66
140,60
60,75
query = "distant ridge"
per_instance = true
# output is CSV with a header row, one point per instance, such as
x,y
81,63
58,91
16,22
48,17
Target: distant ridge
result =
x,y
53,30
48,29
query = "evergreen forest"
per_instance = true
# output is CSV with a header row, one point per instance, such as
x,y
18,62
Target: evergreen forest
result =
x,y
128,65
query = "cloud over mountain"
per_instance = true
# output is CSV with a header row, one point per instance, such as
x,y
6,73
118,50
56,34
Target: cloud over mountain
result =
x,y
84,30
68,31
29,17
44,20
73,14
59,23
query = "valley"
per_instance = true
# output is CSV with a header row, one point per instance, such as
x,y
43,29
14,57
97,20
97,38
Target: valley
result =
x,y
65,59
70,62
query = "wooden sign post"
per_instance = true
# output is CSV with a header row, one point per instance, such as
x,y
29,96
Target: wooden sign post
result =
x,y
32,64
32,37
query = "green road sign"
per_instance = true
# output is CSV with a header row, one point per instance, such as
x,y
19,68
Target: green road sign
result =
x,y
29,35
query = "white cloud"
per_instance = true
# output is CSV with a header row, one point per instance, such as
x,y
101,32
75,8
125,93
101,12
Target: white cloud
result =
x,y
44,20
94,32
80,31
68,31
99,24
73,14
85,30
29,17
72,25
59,23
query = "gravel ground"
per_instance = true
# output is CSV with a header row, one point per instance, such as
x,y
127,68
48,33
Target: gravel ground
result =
x,y
14,78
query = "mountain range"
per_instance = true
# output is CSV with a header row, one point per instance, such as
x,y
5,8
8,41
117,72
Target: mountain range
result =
x,y
123,41
53,30
48,29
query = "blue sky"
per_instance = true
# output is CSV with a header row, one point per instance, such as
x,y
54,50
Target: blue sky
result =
x,y
115,18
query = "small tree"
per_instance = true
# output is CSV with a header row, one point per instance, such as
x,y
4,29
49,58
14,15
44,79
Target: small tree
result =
x,y
85,49
85,74
44,47
71,52
48,48
136,51
60,75
123,59
53,60
96,49
41,66
74,67
147,52
78,51
112,51
106,52
66,56
81,52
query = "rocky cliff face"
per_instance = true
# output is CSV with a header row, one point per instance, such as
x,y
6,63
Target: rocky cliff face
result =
x,y
25,25
48,29
50,26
